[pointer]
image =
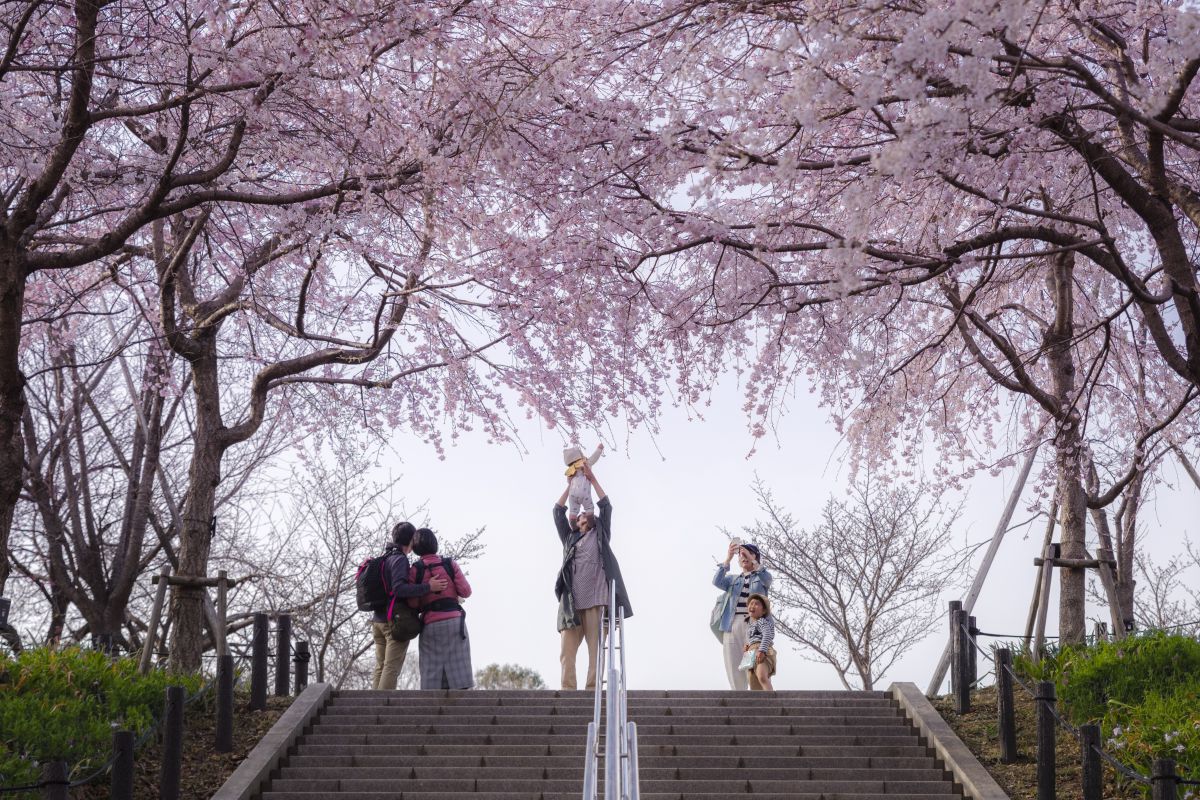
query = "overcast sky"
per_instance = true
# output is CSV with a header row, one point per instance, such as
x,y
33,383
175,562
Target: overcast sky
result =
x,y
671,494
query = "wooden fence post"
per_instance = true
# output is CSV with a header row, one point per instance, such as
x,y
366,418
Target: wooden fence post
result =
x,y
172,745
1093,778
1046,731
1163,779
121,784
301,659
962,699
283,655
224,732
1005,710
258,664
56,780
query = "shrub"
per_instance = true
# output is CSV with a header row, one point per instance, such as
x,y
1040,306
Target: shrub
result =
x,y
65,704
1144,691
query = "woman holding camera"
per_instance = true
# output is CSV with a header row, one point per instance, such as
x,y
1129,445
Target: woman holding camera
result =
x,y
730,618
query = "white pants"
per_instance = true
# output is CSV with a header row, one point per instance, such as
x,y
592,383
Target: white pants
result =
x,y
735,645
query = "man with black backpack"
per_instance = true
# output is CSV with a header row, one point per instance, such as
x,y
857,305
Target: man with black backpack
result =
x,y
378,581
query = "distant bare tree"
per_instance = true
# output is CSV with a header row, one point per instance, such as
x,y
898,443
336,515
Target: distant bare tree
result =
x,y
1166,595
860,588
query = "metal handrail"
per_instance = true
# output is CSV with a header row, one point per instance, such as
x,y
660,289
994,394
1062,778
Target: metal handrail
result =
x,y
620,735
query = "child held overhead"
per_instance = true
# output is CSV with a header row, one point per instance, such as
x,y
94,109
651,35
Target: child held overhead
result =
x,y
579,495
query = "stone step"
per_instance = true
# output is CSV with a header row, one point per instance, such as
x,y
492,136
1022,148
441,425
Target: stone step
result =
x,y
573,761
470,736
519,716
537,769
489,786
385,724
574,746
836,734
634,695
731,700
574,795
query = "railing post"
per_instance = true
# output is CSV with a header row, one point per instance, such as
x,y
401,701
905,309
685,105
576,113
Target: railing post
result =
x,y
283,656
224,733
973,653
301,660
1093,778
56,780
121,784
1005,710
1046,779
962,698
955,677
172,745
1163,779
258,664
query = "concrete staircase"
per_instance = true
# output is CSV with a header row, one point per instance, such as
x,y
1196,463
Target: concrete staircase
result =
x,y
529,745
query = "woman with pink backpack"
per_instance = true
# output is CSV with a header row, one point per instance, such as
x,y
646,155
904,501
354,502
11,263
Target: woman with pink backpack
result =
x,y
445,648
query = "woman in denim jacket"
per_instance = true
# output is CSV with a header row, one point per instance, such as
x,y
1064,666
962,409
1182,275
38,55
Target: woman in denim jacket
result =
x,y
731,626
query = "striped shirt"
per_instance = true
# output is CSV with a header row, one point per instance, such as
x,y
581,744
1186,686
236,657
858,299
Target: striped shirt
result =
x,y
589,586
743,600
762,630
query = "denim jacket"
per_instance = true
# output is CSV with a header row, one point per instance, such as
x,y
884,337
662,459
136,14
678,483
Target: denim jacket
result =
x,y
760,583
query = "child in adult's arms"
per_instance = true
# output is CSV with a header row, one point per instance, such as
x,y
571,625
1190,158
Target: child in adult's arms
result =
x,y
760,637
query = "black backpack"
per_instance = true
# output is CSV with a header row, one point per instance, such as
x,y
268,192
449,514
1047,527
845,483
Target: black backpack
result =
x,y
370,583
443,603
404,621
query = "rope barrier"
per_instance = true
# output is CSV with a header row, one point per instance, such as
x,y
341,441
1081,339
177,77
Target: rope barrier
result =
x,y
1121,768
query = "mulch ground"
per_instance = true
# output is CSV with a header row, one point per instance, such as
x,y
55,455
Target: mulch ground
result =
x,y
980,731
204,769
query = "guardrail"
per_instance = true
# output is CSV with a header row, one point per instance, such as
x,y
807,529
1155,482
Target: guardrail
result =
x,y
620,734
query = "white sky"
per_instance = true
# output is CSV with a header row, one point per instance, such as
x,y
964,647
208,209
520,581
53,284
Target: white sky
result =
x,y
671,494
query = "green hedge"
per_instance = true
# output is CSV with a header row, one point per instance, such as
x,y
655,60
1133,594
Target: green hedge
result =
x,y
65,704
1144,692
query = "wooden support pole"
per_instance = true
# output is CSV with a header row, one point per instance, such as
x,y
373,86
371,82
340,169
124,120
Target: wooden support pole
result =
x,y
1039,640
1005,710
1093,778
1037,584
172,745
939,671
160,596
1109,581
1047,780
222,613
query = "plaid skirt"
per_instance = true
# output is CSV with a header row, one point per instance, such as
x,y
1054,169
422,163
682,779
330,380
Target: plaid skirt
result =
x,y
445,656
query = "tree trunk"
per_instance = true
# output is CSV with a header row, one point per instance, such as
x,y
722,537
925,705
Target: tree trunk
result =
x,y
1068,451
12,396
204,475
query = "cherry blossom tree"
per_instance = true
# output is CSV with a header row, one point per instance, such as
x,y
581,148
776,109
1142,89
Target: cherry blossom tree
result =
x,y
965,221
